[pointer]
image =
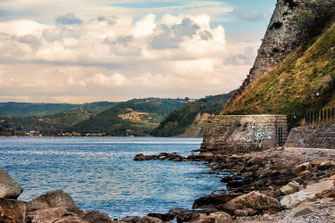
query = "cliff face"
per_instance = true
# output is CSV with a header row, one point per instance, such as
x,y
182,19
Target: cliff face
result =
x,y
293,23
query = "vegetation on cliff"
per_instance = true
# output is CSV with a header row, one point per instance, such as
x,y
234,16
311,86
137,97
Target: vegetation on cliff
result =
x,y
134,117
303,82
179,120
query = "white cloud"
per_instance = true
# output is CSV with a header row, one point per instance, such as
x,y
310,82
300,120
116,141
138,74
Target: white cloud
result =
x,y
115,58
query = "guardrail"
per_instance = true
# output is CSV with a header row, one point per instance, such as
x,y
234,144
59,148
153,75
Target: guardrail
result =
x,y
321,116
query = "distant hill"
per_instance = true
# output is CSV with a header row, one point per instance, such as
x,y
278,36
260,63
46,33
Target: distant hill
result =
x,y
52,122
33,109
191,118
16,109
304,81
135,117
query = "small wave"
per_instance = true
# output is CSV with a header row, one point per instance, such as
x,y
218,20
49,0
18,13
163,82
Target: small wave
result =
x,y
64,153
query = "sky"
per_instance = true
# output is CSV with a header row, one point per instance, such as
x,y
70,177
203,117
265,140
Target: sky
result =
x,y
114,50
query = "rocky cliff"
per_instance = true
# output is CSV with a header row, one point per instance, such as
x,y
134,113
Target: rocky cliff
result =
x,y
293,23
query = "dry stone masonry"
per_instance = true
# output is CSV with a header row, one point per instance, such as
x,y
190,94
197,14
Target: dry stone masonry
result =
x,y
243,133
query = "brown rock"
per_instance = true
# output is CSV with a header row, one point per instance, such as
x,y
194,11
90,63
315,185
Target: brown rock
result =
x,y
298,169
68,219
214,200
140,157
12,211
9,188
96,217
302,209
46,215
216,217
290,188
53,199
145,219
254,200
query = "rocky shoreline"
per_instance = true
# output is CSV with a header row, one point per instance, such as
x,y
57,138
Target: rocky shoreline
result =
x,y
277,185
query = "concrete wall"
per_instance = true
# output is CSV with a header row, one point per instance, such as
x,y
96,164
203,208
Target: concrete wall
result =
x,y
312,137
233,133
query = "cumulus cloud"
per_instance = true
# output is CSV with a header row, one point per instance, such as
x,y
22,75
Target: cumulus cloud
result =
x,y
69,19
117,58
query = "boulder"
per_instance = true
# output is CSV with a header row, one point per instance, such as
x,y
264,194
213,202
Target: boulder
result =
x,y
46,215
214,200
9,188
216,217
254,200
12,211
68,219
53,199
302,209
290,188
96,217
298,169
295,199
308,194
145,219
140,157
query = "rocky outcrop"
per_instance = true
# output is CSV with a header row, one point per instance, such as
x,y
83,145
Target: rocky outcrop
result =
x,y
9,188
293,23
312,137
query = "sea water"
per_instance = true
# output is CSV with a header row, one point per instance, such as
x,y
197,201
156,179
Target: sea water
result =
x,y
100,174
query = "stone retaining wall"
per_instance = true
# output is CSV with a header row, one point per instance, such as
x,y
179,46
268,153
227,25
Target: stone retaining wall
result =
x,y
234,133
312,137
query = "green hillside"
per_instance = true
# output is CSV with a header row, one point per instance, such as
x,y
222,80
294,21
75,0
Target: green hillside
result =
x,y
179,120
134,117
303,82
33,109
42,109
53,122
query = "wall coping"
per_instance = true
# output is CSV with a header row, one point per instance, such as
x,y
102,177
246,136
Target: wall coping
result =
x,y
250,116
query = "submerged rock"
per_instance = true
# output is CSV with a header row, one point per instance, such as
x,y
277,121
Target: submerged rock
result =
x,y
9,188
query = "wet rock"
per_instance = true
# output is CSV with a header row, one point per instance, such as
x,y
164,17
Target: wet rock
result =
x,y
140,157
214,200
216,217
9,188
254,200
298,169
53,199
290,188
12,211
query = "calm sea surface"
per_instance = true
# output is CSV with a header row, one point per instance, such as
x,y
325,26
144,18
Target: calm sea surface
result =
x,y
100,174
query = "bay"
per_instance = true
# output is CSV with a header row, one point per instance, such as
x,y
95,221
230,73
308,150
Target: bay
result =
x,y
100,174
